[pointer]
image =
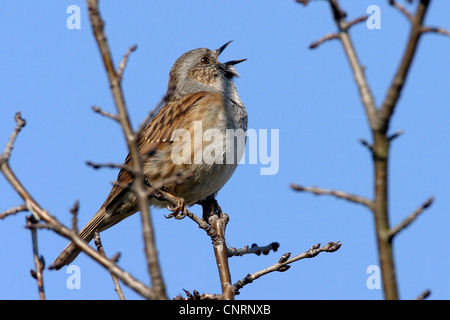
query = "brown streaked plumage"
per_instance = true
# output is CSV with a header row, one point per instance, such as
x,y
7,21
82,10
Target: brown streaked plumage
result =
x,y
204,97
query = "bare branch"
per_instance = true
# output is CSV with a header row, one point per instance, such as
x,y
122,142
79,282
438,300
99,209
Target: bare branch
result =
x,y
402,9
109,165
38,260
284,263
74,212
195,295
114,78
413,216
395,135
52,223
442,31
14,210
356,21
156,189
328,37
344,26
255,249
366,143
336,193
124,61
20,123
358,71
303,2
423,295
395,89
117,287
105,114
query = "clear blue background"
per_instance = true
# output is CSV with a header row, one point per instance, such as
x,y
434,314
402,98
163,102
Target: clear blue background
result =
x,y
54,75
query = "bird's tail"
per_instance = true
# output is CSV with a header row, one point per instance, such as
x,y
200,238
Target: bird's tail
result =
x,y
87,234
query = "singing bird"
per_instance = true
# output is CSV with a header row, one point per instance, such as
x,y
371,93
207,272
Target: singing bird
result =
x,y
203,99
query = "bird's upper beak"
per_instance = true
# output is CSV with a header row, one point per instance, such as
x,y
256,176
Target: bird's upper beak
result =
x,y
217,52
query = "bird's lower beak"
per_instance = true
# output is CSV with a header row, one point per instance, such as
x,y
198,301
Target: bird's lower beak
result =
x,y
234,62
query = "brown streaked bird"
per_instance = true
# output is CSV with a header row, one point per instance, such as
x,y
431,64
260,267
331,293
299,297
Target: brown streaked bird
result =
x,y
204,99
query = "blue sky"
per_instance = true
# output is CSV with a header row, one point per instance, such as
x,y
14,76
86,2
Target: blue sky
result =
x,y
54,75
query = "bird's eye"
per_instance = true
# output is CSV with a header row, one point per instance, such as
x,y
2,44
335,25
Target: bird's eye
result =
x,y
205,60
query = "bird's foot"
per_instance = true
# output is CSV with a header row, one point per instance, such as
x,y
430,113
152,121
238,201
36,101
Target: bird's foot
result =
x,y
179,211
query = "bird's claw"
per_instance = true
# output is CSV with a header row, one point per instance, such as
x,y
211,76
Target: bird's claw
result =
x,y
179,212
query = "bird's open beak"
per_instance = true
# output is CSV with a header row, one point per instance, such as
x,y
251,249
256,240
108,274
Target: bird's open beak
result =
x,y
217,52
228,66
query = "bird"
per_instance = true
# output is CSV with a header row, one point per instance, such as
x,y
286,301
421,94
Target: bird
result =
x,y
202,98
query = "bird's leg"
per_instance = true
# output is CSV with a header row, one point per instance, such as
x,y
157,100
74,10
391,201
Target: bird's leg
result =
x,y
210,207
178,210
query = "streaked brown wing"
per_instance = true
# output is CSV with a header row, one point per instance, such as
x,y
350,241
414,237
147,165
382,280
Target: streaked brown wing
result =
x,y
157,133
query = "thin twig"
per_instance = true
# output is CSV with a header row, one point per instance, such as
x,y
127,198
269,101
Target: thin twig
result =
x,y
402,9
336,193
38,260
255,249
156,188
104,113
74,212
138,187
395,135
109,165
353,22
14,210
284,263
20,123
195,295
425,294
367,144
124,61
442,31
395,89
413,216
328,37
99,245
303,2
358,71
